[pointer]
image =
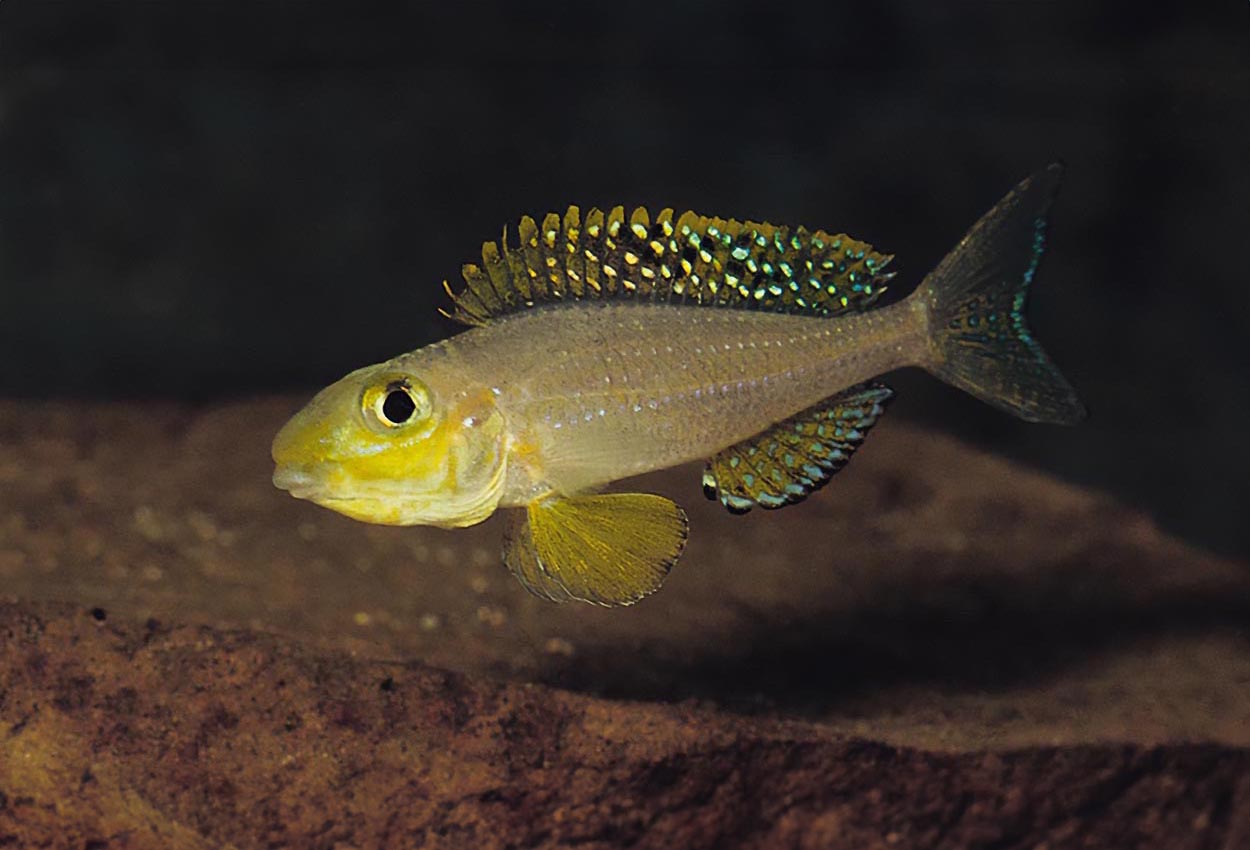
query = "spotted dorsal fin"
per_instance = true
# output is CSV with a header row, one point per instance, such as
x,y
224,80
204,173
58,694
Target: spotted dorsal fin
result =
x,y
685,259
798,456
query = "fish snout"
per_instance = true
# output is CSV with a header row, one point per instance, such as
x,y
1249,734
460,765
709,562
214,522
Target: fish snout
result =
x,y
294,479
292,470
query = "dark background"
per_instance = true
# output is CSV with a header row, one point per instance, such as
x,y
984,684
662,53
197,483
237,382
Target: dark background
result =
x,y
206,200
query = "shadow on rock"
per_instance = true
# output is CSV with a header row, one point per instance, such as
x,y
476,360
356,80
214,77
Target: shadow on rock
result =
x,y
975,631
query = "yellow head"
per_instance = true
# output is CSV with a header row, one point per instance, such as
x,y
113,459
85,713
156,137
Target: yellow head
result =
x,y
383,446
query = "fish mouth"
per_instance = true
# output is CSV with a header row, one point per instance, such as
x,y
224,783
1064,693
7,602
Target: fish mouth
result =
x,y
296,481
363,506
306,484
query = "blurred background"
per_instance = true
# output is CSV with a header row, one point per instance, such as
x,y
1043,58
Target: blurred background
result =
x,y
209,200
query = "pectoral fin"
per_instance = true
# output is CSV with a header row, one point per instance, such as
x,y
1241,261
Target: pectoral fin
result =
x,y
609,549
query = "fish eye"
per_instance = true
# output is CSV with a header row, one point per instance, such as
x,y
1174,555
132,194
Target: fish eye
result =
x,y
396,403
398,406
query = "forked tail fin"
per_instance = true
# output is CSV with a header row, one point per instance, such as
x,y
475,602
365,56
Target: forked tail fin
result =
x,y
975,300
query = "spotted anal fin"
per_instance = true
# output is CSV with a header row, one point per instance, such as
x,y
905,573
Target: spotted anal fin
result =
x,y
608,549
784,464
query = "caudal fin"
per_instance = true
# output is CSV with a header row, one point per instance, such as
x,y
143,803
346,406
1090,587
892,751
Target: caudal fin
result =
x,y
975,300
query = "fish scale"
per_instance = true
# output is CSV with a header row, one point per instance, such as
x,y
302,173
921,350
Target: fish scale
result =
x,y
633,387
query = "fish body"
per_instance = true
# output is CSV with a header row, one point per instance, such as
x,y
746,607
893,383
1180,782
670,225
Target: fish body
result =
x,y
611,346
592,392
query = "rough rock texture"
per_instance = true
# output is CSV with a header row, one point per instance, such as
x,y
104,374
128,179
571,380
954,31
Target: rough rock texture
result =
x,y
150,736
940,649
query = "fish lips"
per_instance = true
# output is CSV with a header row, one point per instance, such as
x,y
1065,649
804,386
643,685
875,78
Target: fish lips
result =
x,y
297,481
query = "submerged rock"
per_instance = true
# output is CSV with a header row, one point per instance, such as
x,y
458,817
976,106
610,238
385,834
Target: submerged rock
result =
x,y
939,649
125,735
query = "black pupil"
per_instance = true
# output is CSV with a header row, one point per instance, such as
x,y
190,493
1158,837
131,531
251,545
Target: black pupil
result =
x,y
398,407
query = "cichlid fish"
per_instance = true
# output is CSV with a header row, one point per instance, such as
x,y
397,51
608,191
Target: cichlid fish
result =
x,y
609,345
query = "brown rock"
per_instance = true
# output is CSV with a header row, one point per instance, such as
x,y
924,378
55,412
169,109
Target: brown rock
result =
x,y
146,736
940,649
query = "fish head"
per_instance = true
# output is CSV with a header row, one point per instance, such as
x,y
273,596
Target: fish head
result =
x,y
384,446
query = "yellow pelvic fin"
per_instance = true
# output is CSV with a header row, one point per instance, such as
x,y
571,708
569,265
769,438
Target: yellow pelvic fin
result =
x,y
609,549
784,464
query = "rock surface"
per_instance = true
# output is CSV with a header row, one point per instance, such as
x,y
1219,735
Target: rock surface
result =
x,y
186,737
939,649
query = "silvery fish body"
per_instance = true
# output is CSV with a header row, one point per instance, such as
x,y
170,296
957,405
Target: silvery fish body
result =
x,y
592,392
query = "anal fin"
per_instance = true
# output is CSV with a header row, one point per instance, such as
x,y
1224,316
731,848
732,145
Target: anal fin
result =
x,y
608,549
797,456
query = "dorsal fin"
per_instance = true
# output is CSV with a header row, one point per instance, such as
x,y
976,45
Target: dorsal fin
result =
x,y
686,259
798,456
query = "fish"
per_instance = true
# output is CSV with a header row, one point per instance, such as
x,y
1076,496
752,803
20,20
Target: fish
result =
x,y
605,345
